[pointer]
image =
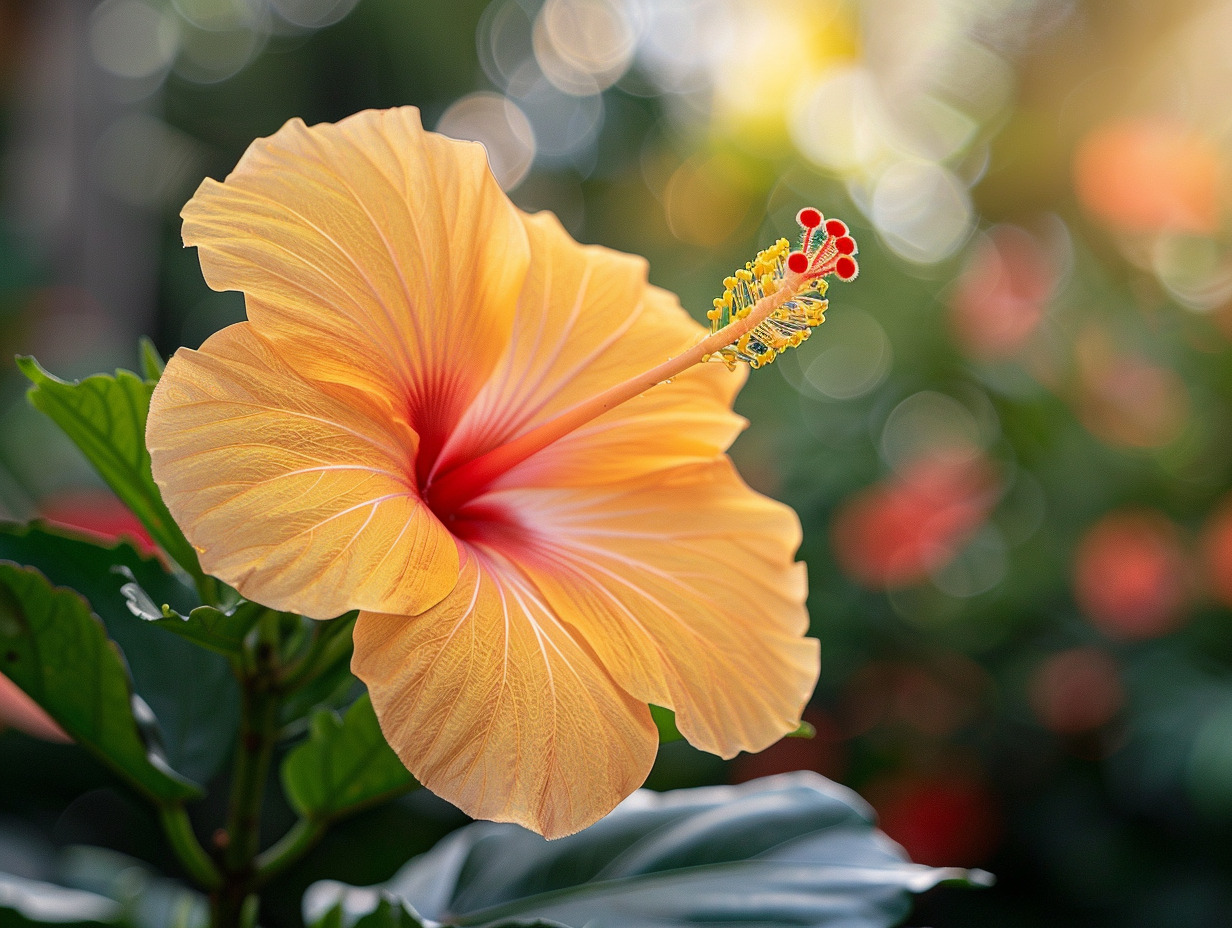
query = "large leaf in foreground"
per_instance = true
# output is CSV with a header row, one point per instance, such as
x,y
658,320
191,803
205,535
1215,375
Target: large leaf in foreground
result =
x,y
105,417
97,887
787,850
193,693
345,765
55,649
26,902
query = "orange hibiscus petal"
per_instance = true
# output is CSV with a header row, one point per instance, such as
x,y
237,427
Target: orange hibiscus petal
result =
x,y
684,585
380,257
586,320
298,500
494,705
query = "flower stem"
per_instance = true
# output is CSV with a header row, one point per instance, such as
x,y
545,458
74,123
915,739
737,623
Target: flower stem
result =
x,y
454,488
260,699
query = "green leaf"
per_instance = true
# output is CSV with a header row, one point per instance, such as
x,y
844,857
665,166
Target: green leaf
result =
x,y
331,687
329,683
192,692
794,849
387,914
392,913
220,630
665,721
26,902
344,766
105,417
146,898
55,649
151,362
96,887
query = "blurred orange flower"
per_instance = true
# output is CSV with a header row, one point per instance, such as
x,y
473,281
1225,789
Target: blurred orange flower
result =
x,y
1150,175
417,421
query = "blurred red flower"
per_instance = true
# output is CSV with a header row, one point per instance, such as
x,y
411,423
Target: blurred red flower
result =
x,y
1000,297
1125,400
1132,576
98,513
895,532
19,711
952,818
1217,552
825,753
1077,690
1150,175
935,696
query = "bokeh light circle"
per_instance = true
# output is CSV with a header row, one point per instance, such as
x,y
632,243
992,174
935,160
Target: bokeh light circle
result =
x,y
312,14
922,211
584,46
131,39
856,356
501,127
927,425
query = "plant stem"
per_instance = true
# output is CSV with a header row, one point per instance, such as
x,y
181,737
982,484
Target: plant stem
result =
x,y
290,848
260,698
179,832
330,641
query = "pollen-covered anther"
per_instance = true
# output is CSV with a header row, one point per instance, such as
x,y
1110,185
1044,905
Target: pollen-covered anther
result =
x,y
782,320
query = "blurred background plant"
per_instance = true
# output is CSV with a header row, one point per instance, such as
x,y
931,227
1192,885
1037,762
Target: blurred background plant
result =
x,y
1010,445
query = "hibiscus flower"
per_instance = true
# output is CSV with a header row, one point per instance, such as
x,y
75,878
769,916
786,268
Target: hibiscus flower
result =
x,y
439,413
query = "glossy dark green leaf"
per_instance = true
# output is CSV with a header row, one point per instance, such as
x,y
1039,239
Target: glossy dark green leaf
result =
x,y
100,887
220,630
55,649
25,903
794,849
146,898
192,692
386,913
343,766
665,721
105,417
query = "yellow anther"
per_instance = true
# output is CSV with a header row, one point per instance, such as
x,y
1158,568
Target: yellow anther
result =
x,y
784,317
